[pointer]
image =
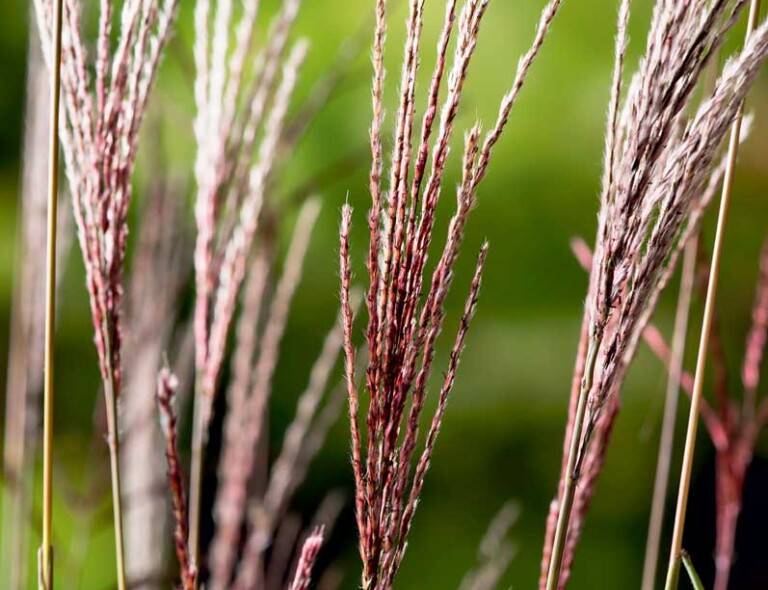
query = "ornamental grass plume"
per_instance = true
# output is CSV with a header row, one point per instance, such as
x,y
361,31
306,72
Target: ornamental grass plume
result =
x,y
249,491
656,167
593,464
403,324
255,533
242,98
99,133
244,133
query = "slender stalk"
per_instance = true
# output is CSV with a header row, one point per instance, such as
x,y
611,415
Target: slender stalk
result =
x,y
117,501
45,556
673,571
113,440
199,435
666,442
572,477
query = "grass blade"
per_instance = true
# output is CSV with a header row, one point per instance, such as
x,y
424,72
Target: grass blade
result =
x,y
692,575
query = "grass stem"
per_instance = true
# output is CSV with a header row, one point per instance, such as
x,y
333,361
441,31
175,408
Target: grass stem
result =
x,y
199,440
113,440
571,476
117,501
692,575
45,555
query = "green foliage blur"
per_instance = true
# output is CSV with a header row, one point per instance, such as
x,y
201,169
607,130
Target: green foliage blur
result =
x,y
502,436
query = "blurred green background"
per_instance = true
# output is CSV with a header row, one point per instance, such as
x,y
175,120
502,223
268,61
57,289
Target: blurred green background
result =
x,y
502,436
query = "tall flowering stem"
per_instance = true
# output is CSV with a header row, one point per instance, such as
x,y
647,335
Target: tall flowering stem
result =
x,y
656,170
246,419
99,134
405,311
242,97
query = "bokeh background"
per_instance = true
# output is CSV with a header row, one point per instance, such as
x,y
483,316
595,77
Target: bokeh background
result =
x,y
502,436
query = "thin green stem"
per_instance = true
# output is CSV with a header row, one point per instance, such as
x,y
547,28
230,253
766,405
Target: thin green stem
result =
x,y
45,554
692,575
673,571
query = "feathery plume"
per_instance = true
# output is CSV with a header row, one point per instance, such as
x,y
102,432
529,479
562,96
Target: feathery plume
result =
x,y
240,96
651,201
246,415
99,133
404,316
